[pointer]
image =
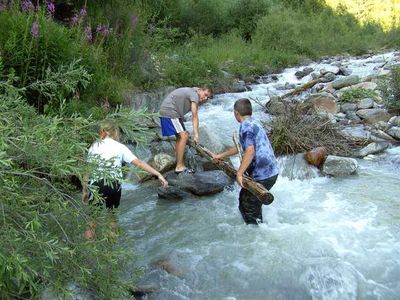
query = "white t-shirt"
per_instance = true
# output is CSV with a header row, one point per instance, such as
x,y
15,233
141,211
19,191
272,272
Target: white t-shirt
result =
x,y
109,153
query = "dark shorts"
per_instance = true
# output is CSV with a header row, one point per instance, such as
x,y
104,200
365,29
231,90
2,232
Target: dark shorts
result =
x,y
250,207
111,194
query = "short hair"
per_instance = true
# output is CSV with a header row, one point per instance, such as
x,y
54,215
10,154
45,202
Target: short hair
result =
x,y
209,89
243,107
111,128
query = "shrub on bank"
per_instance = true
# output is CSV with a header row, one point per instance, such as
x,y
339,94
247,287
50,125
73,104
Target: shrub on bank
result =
x,y
390,88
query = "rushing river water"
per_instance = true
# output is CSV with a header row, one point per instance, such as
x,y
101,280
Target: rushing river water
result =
x,y
323,238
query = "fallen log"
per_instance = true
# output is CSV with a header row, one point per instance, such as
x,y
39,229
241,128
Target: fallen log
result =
x,y
302,88
254,187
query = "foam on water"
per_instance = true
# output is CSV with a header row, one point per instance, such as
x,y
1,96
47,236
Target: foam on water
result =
x,y
323,238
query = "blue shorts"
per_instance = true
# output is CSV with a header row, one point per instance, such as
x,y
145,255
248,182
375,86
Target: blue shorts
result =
x,y
171,127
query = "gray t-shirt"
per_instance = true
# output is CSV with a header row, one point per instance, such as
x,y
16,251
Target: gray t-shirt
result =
x,y
179,102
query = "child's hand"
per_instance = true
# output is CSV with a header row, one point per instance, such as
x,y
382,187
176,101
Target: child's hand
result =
x,y
217,156
163,181
239,178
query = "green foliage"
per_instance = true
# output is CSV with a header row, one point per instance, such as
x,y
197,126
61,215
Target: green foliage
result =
x,y
324,33
56,49
185,68
354,95
245,14
391,89
41,220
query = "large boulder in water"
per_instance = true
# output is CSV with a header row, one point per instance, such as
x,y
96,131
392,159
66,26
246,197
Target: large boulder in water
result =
x,y
200,183
339,166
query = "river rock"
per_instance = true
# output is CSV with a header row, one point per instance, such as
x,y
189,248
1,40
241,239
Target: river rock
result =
x,y
394,121
316,156
373,115
143,290
208,137
328,77
302,73
352,116
172,193
346,81
356,133
345,107
344,71
366,103
339,166
200,183
275,106
380,135
324,102
395,132
373,148
163,162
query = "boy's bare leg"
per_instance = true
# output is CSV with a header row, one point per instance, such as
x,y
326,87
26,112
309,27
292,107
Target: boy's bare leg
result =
x,y
181,140
90,231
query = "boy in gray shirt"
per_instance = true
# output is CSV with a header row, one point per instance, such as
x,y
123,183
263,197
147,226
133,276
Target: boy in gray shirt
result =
x,y
173,108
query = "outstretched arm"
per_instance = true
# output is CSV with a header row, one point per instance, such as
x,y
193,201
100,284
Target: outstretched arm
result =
x,y
231,151
195,121
144,166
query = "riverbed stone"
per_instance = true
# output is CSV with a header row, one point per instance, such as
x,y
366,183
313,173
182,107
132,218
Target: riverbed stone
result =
x,y
366,103
339,166
208,137
328,77
324,102
316,156
373,148
394,121
172,193
346,81
395,132
356,133
200,183
373,115
345,107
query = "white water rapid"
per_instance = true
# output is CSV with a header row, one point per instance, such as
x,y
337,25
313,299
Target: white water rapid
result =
x,y
323,238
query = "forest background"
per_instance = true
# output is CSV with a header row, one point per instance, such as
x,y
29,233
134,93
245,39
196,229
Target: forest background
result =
x,y
62,61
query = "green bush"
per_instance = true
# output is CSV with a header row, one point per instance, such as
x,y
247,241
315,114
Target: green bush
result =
x,y
33,59
356,94
41,237
391,89
245,14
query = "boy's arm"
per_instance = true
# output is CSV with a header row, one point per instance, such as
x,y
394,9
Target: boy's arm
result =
x,y
246,161
144,166
231,151
195,121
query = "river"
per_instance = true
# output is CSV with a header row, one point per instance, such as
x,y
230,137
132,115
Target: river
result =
x,y
323,238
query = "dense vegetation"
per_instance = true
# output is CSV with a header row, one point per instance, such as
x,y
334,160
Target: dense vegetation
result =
x,y
62,62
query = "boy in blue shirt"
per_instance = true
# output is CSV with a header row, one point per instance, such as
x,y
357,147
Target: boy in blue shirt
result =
x,y
259,161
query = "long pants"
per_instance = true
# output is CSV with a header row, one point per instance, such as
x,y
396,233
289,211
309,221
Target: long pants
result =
x,y
249,206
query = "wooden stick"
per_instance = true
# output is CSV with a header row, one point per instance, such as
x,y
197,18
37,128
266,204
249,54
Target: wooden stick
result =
x,y
302,88
257,189
235,141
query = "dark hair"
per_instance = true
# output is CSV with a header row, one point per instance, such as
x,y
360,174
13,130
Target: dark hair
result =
x,y
243,107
